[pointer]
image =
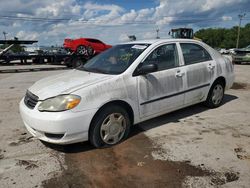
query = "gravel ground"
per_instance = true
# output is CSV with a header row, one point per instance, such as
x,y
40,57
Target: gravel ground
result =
x,y
192,147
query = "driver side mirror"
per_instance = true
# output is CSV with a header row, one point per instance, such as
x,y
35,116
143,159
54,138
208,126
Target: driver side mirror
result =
x,y
144,69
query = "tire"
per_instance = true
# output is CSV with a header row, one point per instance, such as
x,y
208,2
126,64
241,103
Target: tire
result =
x,y
76,62
215,95
109,127
82,50
90,51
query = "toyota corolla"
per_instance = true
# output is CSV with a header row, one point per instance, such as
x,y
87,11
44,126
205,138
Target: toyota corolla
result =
x,y
127,84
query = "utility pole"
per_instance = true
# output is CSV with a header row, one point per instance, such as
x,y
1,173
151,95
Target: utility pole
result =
x,y
157,33
4,33
241,16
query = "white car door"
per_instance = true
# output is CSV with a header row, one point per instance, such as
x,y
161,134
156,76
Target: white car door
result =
x,y
200,70
161,91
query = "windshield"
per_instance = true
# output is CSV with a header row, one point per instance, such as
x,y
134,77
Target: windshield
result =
x,y
114,60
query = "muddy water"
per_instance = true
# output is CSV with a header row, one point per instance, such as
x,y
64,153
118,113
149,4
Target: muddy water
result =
x,y
128,164
238,85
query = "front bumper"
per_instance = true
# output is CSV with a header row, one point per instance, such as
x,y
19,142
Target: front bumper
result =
x,y
57,127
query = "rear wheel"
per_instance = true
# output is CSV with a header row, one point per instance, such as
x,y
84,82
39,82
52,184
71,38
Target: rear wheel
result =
x,y
110,126
90,51
215,95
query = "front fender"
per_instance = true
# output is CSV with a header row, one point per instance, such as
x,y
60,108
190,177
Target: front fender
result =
x,y
97,95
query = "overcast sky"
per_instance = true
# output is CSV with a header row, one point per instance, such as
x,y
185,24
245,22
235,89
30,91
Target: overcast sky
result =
x,y
50,21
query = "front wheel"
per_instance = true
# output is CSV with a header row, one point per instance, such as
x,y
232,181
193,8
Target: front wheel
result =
x,y
215,95
110,126
82,50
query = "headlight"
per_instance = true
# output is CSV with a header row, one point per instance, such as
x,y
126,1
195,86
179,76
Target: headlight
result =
x,y
59,103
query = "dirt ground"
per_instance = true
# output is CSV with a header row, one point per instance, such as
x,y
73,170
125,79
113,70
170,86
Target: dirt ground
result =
x,y
192,147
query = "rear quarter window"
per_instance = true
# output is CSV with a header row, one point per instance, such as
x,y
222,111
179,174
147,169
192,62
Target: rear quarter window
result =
x,y
194,53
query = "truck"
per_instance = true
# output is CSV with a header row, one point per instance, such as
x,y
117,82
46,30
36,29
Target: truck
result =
x,y
183,33
69,59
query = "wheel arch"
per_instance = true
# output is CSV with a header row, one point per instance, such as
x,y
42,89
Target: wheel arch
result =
x,y
208,102
220,79
80,44
120,103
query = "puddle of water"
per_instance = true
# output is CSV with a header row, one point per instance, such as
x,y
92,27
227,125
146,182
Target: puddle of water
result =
x,y
238,85
128,164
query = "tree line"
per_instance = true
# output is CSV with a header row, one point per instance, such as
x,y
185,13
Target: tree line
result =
x,y
225,38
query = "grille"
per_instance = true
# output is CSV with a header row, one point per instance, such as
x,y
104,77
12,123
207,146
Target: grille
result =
x,y
241,54
30,100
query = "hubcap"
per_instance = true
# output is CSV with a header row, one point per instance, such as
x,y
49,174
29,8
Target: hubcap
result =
x,y
82,50
217,94
113,128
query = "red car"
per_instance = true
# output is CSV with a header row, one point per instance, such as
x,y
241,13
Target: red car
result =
x,y
85,46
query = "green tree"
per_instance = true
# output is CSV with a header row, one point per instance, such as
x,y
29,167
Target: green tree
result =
x,y
225,38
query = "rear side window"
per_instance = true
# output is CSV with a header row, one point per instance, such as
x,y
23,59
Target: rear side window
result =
x,y
165,56
94,40
194,53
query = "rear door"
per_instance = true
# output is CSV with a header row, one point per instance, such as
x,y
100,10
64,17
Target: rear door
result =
x,y
161,91
200,69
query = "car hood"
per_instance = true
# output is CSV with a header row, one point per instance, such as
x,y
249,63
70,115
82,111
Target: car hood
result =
x,y
66,83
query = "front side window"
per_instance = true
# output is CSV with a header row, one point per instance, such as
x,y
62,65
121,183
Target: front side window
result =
x,y
194,53
114,60
165,57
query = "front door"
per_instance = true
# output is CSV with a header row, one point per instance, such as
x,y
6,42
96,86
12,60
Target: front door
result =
x,y
161,91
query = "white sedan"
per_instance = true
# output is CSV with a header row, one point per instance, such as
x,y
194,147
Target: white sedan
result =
x,y
125,85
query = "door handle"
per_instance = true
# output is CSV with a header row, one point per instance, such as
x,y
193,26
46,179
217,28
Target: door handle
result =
x,y
211,67
179,74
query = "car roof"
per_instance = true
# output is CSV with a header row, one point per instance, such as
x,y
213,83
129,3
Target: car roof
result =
x,y
153,41
88,39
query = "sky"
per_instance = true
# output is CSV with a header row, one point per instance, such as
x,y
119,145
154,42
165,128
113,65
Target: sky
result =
x,y
51,21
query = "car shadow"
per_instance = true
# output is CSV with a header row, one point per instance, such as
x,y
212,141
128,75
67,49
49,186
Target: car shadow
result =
x,y
175,116
144,126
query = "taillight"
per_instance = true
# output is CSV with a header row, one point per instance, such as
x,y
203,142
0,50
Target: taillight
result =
x,y
68,40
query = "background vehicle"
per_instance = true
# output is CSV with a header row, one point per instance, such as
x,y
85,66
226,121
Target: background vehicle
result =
x,y
241,55
11,52
183,33
85,46
231,50
222,50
